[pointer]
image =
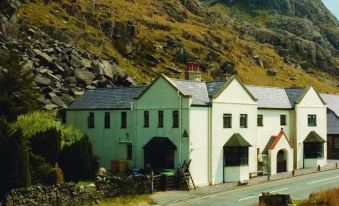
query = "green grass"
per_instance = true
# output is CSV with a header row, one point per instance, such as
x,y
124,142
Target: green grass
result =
x,y
139,200
84,183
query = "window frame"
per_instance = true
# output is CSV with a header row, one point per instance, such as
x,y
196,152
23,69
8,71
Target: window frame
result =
x,y
107,120
260,120
243,116
161,119
146,119
123,120
312,120
283,120
225,118
175,118
91,120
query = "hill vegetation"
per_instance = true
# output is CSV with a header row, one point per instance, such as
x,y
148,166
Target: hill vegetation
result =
x,y
148,37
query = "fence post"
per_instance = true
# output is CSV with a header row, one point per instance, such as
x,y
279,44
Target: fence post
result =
x,y
152,179
318,167
336,165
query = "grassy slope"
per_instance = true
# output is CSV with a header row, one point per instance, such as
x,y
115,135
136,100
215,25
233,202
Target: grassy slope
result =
x,y
238,50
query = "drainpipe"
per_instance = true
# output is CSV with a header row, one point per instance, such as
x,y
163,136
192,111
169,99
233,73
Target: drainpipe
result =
x,y
209,146
180,126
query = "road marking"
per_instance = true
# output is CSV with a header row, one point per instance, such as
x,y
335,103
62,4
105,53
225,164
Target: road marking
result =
x,y
279,190
322,180
251,197
246,198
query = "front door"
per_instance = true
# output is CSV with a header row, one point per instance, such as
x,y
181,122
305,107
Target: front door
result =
x,y
281,162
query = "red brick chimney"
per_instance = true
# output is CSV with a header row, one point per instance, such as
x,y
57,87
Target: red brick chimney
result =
x,y
193,71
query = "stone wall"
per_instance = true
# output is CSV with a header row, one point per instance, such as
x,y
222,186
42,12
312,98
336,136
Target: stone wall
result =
x,y
72,194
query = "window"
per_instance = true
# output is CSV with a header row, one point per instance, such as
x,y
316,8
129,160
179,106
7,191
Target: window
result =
x,y
123,119
335,143
175,119
161,119
313,149
243,121
129,151
260,120
107,120
282,120
146,118
312,120
90,120
235,156
227,120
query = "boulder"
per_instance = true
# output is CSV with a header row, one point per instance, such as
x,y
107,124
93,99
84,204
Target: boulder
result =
x,y
56,100
43,56
84,76
271,72
42,80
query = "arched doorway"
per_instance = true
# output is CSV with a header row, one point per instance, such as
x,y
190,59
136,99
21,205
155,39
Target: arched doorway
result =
x,y
281,161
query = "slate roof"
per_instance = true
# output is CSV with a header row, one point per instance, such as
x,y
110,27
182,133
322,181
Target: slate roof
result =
x,y
332,101
294,94
196,89
213,87
107,98
270,97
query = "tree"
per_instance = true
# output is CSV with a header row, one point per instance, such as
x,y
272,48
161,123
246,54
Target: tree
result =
x,y
47,145
77,160
17,95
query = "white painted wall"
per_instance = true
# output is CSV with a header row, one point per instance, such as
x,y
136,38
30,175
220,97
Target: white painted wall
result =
x,y
198,144
234,174
272,125
310,104
312,163
233,100
282,145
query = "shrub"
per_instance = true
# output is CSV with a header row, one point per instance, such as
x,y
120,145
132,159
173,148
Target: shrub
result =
x,y
39,169
47,145
41,121
18,159
55,176
78,161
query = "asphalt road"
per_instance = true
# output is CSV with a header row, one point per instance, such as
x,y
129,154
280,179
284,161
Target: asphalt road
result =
x,y
298,187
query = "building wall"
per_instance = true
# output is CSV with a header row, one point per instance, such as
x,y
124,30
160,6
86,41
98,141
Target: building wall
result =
x,y
106,144
162,96
288,151
233,100
310,104
198,144
271,126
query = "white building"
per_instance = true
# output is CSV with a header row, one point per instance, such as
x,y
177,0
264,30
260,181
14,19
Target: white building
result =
x,y
229,131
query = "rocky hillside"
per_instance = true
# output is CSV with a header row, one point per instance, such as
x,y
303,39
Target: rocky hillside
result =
x,y
76,44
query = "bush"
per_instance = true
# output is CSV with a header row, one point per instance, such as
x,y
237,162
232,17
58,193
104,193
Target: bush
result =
x,y
47,145
78,161
55,176
39,169
42,121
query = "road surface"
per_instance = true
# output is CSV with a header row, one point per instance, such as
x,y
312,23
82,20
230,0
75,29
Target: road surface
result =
x,y
298,187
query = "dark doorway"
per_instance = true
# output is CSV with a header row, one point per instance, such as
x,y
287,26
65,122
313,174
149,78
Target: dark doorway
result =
x,y
281,161
159,153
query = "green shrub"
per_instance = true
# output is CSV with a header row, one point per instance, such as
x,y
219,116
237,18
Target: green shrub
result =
x,y
77,160
47,144
55,176
39,169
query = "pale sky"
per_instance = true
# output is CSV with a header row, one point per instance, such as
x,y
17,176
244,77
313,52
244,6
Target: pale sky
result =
x,y
333,6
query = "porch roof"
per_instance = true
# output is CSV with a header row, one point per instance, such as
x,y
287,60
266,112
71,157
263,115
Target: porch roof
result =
x,y
314,137
160,143
237,140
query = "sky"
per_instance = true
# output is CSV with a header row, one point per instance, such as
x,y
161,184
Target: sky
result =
x,y
333,6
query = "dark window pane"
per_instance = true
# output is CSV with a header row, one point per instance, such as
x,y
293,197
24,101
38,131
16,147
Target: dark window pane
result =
x,y
129,151
90,120
107,120
312,120
123,119
175,119
243,120
313,150
235,156
282,120
260,120
227,121
146,118
161,119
